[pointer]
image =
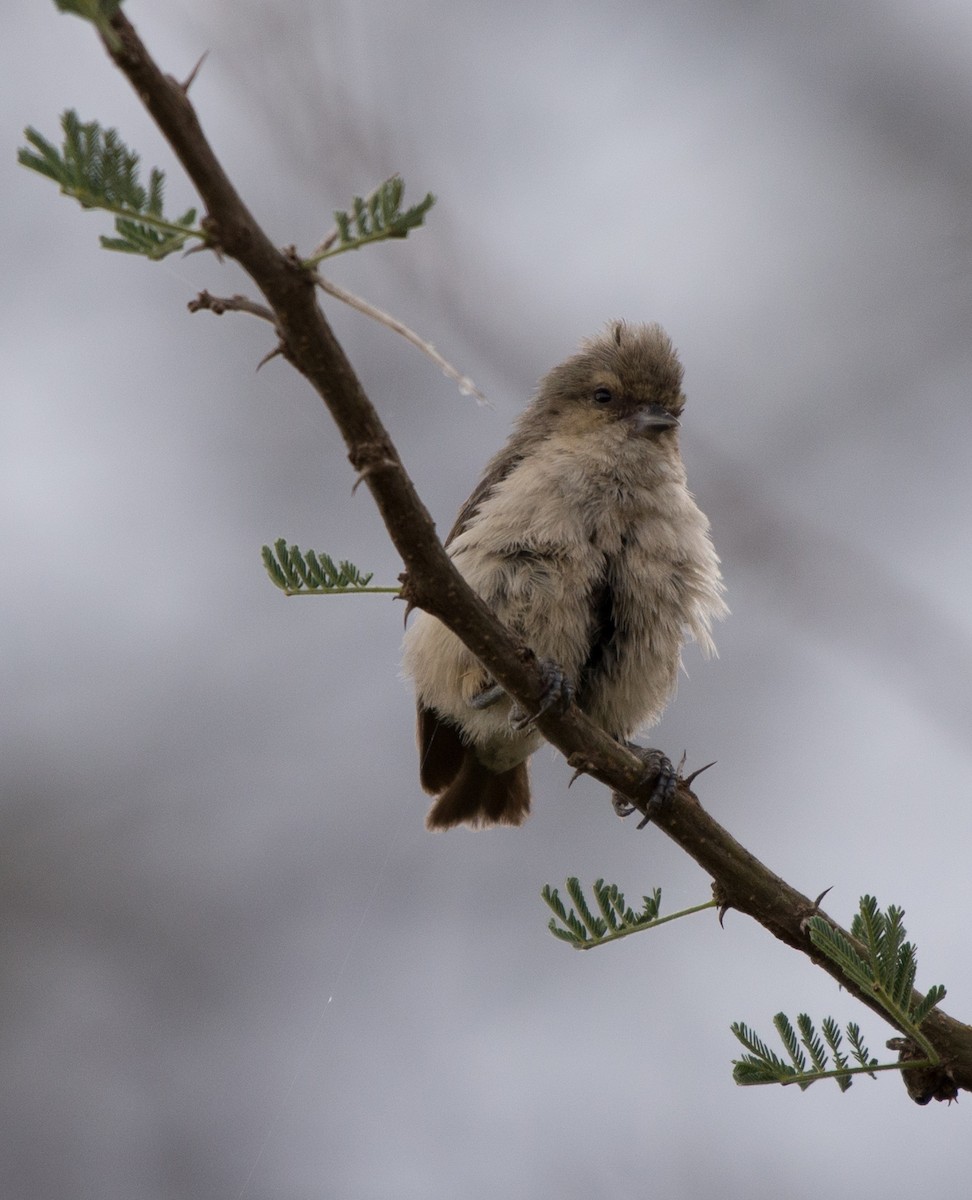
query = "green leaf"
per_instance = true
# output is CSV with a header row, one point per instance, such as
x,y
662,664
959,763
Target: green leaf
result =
x,y
933,996
886,970
831,1031
748,1071
789,1039
551,898
862,1056
565,935
617,918
373,218
96,167
811,1040
610,901
761,1065
314,573
595,926
837,948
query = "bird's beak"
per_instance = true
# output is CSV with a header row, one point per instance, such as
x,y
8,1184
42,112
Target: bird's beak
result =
x,y
652,418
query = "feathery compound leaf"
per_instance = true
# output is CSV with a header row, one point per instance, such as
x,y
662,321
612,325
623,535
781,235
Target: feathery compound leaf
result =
x,y
617,918
862,1056
752,1041
892,964
774,1070
789,1039
567,931
866,925
595,926
619,914
577,928
812,1041
887,973
373,218
831,1031
565,935
610,901
314,573
652,906
96,167
551,897
274,569
749,1071
839,950
762,1065
902,982
884,935
343,222
933,996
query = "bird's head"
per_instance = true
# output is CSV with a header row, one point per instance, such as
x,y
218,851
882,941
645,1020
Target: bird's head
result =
x,y
626,379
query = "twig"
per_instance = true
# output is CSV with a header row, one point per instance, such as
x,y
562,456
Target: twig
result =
x,y
224,304
463,382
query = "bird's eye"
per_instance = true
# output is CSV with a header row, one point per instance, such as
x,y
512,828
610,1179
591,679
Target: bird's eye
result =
x,y
603,396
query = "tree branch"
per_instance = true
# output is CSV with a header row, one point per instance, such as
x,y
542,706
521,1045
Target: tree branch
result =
x,y
432,583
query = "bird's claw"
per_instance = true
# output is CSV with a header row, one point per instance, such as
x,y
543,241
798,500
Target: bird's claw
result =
x,y
662,777
556,696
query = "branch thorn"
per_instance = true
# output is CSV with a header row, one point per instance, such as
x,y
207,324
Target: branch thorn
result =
x,y
190,78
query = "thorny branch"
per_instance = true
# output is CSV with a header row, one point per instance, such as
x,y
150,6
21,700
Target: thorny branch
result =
x,y
431,582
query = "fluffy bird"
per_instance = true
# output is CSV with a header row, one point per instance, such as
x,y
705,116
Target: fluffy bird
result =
x,y
583,538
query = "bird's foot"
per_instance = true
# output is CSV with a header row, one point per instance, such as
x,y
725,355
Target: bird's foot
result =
x,y
556,695
660,775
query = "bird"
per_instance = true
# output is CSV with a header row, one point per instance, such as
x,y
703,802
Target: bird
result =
x,y
582,538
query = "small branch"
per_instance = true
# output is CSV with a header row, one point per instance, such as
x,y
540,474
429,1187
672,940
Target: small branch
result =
x,y
463,382
224,304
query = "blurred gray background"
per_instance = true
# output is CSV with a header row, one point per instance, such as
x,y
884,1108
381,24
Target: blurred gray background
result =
x,y
233,962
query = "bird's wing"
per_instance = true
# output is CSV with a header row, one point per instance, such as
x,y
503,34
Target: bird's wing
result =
x,y
497,470
441,750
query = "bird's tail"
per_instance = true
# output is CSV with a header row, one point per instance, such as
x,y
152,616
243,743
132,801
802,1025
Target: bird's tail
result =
x,y
480,797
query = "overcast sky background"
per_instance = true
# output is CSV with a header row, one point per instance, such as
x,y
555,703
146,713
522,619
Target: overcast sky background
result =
x,y
234,964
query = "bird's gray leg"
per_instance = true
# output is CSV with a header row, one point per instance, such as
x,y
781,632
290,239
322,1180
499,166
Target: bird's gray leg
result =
x,y
556,695
487,697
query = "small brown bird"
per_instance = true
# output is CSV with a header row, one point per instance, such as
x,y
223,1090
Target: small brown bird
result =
x,y
583,538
